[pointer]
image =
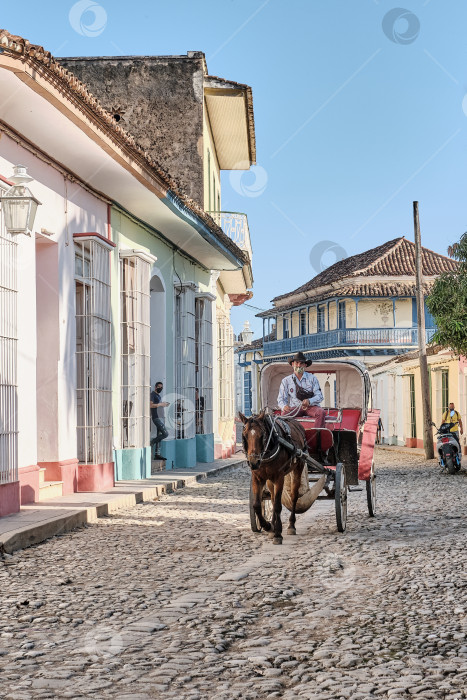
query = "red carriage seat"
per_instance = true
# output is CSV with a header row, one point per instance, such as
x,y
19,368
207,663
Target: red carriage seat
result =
x,y
336,419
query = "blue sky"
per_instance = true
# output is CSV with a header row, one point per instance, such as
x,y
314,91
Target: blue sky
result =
x,y
358,113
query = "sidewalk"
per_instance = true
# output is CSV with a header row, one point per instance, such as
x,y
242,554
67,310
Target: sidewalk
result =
x,y
402,448
39,521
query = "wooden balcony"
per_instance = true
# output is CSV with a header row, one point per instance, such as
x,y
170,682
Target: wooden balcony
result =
x,y
348,338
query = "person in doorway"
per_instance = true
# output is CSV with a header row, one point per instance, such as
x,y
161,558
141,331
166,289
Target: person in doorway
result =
x,y
179,415
379,431
199,402
157,417
300,393
453,416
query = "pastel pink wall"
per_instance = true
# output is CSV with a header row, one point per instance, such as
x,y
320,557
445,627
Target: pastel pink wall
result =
x,y
47,368
48,349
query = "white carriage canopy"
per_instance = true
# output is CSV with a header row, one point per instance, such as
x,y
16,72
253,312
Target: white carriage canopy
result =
x,y
352,383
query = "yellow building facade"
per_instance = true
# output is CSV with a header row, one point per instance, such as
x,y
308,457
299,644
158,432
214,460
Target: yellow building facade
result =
x,y
396,390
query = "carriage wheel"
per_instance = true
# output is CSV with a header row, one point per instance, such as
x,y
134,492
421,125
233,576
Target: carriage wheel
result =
x,y
341,498
266,509
371,492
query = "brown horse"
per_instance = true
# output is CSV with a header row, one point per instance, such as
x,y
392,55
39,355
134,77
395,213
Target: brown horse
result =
x,y
270,462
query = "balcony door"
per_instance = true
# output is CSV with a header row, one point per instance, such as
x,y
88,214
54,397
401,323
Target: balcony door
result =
x,y
341,321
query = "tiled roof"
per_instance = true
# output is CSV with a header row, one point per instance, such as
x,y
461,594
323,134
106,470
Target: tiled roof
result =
x,y
394,258
409,356
44,62
373,289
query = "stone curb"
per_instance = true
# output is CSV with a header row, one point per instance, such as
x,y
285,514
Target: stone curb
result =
x,y
36,533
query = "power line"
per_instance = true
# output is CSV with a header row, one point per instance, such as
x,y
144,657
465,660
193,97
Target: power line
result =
x,y
254,307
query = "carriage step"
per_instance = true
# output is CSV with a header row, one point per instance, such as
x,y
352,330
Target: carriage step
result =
x,y
356,488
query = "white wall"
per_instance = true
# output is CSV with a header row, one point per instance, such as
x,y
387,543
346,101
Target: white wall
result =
x,y
66,208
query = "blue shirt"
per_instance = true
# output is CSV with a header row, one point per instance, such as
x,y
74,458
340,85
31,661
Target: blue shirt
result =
x,y
287,392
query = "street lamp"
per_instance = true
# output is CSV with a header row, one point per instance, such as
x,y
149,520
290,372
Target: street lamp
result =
x,y
18,204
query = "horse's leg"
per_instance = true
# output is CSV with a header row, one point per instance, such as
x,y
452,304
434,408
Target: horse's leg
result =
x,y
257,484
296,479
270,486
277,504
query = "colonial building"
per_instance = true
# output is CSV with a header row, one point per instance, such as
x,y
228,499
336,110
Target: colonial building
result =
x,y
249,360
196,125
109,290
396,388
361,307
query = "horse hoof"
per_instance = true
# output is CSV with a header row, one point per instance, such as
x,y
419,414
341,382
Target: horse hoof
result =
x,y
291,531
277,540
271,534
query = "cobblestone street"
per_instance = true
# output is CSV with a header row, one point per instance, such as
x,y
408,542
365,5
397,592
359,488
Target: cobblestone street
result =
x,y
179,599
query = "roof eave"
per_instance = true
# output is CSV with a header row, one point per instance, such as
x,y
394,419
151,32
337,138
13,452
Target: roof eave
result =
x,y
215,86
40,72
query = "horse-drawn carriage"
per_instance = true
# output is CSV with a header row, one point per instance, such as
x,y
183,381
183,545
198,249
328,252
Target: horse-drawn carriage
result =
x,y
293,462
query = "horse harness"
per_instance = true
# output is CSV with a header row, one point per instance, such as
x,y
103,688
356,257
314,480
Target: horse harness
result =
x,y
277,426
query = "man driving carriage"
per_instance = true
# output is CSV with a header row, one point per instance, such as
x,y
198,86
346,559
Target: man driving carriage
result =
x,y
300,393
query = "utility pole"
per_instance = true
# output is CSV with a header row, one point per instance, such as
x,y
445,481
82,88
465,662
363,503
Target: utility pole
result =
x,y
427,428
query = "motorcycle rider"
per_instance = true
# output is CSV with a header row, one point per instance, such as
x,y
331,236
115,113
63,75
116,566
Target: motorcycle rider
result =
x,y
453,416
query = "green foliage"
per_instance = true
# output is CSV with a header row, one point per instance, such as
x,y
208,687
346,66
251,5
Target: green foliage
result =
x,y
448,302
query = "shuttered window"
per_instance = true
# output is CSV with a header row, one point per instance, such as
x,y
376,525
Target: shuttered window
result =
x,y
8,357
93,351
135,350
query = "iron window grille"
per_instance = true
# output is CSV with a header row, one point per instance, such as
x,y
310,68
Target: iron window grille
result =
x,y
341,319
8,357
180,415
226,369
303,322
203,363
321,322
444,390
413,412
93,351
135,327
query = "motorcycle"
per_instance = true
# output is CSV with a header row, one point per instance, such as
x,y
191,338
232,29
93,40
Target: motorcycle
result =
x,y
448,448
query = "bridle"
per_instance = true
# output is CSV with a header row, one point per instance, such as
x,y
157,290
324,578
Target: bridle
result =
x,y
273,431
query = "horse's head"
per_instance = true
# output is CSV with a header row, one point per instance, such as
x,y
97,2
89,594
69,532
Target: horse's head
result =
x,y
254,438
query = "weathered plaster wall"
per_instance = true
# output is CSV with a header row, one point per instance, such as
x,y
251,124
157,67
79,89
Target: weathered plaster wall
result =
x,y
350,313
159,101
404,313
312,320
375,314
295,324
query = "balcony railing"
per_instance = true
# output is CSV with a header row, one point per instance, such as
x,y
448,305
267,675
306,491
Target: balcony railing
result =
x,y
235,226
348,337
